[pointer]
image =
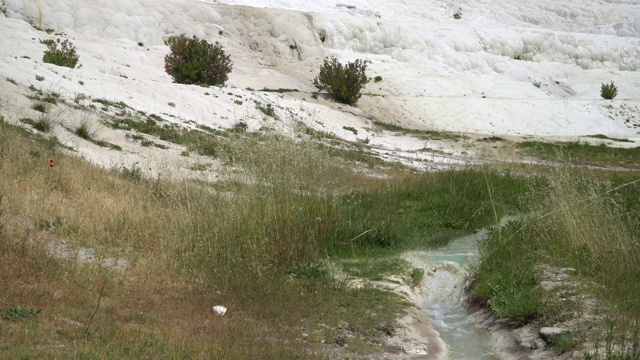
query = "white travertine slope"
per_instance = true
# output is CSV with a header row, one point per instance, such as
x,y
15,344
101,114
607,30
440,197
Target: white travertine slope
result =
x,y
473,72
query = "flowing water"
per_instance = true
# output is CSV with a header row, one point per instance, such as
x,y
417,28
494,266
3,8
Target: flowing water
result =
x,y
444,281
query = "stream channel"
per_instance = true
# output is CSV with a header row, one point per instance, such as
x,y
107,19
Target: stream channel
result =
x,y
444,283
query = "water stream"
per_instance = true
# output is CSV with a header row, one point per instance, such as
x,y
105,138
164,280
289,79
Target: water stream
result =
x,y
444,281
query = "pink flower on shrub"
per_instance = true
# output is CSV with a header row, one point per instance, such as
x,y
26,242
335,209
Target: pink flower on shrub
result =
x,y
195,61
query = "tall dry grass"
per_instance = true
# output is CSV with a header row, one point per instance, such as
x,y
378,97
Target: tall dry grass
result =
x,y
189,245
589,220
586,220
284,205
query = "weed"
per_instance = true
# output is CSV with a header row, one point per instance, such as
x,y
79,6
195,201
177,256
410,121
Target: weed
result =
x,y
46,225
133,173
48,42
109,103
18,313
12,81
41,107
203,144
604,137
492,138
238,102
582,153
279,90
508,287
608,91
387,328
565,341
350,128
312,275
64,56
196,61
314,95
141,44
343,82
83,131
79,98
200,167
39,78
240,127
43,123
618,345
416,277
372,269
422,134
377,79
267,110
537,84
50,97
363,141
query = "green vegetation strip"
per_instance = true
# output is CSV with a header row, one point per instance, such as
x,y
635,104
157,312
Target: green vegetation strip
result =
x,y
582,153
585,224
282,238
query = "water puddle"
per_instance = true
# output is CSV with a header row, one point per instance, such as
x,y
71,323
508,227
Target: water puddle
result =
x,y
444,282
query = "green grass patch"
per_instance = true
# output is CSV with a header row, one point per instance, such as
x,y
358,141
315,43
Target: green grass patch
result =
x,y
50,97
279,90
108,103
428,210
422,134
604,137
350,128
583,222
18,313
266,109
43,123
41,107
379,269
83,131
196,141
374,269
582,153
509,287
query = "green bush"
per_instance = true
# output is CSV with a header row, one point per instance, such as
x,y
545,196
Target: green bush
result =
x,y
196,61
608,91
64,56
343,82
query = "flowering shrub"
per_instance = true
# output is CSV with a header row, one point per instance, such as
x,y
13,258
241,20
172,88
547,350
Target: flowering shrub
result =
x,y
64,56
343,82
196,61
